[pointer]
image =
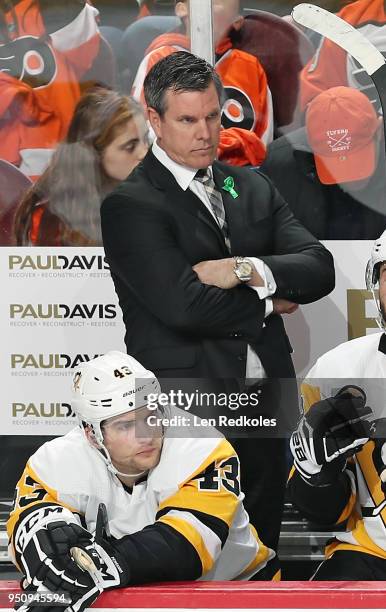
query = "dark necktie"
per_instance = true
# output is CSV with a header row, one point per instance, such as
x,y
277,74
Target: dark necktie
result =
x,y
216,203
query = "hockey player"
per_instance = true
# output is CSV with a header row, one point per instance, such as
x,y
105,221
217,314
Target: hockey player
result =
x,y
174,503
339,447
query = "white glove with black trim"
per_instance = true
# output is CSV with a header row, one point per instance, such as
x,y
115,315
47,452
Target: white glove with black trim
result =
x,y
332,430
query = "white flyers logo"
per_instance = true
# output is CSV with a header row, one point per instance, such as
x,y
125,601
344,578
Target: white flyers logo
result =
x,y
338,140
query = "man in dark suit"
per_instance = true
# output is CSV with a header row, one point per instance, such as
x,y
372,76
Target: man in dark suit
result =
x,y
192,306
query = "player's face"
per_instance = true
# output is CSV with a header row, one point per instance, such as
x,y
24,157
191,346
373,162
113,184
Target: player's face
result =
x,y
189,131
382,288
133,444
125,152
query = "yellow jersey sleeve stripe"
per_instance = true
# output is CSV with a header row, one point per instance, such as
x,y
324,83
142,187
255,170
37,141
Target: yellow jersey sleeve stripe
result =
x,y
292,472
220,504
218,500
222,451
211,539
347,510
310,395
262,554
373,481
27,492
193,536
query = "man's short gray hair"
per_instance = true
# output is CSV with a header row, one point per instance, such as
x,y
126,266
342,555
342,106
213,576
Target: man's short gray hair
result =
x,y
179,71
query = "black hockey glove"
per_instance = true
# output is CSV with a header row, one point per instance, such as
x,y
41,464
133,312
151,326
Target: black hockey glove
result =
x,y
332,430
51,561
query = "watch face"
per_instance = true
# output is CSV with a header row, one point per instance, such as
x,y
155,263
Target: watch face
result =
x,y
245,268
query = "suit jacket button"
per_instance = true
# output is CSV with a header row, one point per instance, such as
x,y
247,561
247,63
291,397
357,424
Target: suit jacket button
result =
x,y
241,357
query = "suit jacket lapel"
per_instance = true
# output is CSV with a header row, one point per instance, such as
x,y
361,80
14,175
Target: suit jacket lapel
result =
x,y
234,210
162,179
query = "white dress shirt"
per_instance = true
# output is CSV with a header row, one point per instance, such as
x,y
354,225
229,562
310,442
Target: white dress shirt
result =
x,y
185,179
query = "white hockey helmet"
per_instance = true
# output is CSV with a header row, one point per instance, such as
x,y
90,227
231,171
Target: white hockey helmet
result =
x,y
378,255
107,386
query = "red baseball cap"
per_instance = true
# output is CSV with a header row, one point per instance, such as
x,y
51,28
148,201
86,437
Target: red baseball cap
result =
x,y
341,123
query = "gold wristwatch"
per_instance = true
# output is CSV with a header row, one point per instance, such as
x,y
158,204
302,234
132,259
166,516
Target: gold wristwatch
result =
x,y
243,268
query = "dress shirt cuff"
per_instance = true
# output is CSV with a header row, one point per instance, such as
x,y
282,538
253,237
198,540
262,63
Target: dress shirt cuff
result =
x,y
268,307
269,287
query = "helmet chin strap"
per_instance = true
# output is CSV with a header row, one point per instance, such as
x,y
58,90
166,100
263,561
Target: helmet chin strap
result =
x,y
380,319
114,470
111,467
102,451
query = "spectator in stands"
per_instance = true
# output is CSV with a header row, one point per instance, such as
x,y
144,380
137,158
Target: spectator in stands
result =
x,y
155,7
107,138
117,13
247,112
172,504
339,447
331,172
278,7
45,48
331,66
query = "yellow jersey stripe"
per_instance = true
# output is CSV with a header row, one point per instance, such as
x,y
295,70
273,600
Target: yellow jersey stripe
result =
x,y
310,395
193,536
219,501
25,491
262,553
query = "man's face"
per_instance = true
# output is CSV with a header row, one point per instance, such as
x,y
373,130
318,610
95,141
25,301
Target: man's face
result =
x,y
133,444
189,131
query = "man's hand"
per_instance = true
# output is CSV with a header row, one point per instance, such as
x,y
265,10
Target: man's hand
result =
x,y
220,273
217,272
281,306
332,430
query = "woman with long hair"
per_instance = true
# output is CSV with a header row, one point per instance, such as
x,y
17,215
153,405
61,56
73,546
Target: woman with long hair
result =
x,y
106,139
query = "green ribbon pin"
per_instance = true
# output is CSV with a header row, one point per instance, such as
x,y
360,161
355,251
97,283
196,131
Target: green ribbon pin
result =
x,y
229,185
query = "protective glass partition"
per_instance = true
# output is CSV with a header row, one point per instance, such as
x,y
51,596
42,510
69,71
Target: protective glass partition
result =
x,y
73,126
